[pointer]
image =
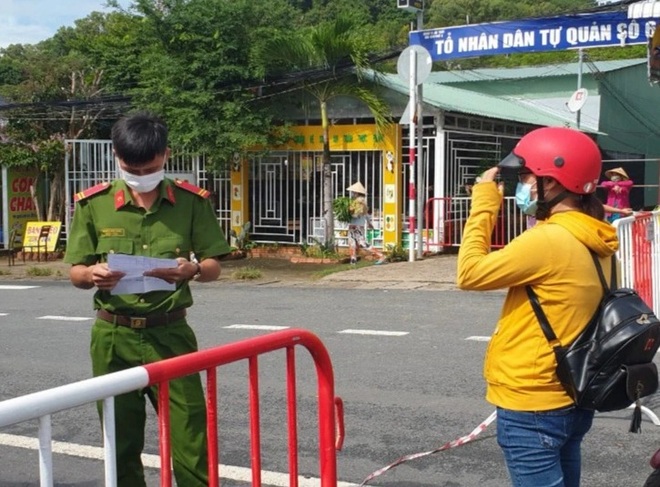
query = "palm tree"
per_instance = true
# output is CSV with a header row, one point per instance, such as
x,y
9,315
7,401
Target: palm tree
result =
x,y
326,61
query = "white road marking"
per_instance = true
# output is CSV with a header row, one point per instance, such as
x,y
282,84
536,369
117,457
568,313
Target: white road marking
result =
x,y
241,474
65,318
16,287
257,327
375,332
4,314
479,338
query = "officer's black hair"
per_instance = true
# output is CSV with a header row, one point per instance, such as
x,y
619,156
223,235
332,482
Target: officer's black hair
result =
x,y
139,138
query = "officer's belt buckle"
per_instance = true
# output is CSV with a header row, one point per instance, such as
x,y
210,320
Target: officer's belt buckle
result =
x,y
138,322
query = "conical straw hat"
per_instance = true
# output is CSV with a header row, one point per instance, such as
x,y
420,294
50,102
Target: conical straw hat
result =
x,y
617,170
357,188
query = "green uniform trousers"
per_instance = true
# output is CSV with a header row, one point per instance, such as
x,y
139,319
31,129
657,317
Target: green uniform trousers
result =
x,y
115,348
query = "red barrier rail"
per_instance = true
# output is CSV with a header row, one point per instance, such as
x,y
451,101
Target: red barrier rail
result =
x,y
642,241
330,411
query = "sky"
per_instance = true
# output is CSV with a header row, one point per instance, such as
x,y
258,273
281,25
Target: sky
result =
x,y
32,21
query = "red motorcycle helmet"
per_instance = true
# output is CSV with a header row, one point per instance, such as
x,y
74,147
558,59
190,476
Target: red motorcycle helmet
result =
x,y
569,156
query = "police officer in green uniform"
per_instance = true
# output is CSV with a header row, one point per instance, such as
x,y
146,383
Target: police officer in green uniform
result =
x,y
145,214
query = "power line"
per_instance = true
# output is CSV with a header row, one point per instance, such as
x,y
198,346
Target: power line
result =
x,y
47,110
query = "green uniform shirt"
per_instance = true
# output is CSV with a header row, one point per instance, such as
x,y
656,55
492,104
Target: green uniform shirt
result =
x,y
179,222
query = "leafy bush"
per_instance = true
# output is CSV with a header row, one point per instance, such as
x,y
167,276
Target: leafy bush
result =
x,y
342,209
242,239
396,253
320,249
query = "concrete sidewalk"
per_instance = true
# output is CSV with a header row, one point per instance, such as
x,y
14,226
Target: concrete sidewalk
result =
x,y
431,273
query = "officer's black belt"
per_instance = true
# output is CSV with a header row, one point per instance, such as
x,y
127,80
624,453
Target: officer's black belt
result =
x,y
149,321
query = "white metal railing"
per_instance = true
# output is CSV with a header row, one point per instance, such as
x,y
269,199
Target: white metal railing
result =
x,y
639,255
42,405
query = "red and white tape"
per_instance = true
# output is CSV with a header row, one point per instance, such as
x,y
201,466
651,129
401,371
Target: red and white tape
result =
x,y
450,444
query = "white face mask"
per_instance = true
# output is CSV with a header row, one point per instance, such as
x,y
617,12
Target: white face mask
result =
x,y
143,184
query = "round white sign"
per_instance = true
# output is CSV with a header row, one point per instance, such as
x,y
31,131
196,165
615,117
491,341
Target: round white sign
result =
x,y
424,63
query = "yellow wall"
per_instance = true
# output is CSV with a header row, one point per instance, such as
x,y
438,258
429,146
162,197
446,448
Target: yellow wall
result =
x,y
392,187
240,210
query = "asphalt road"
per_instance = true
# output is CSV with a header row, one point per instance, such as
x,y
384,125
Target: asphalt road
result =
x,y
403,394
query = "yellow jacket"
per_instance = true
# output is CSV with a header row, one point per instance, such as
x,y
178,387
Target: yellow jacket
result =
x,y
554,258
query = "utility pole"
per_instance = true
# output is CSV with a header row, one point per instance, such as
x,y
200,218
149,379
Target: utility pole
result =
x,y
412,156
416,183
579,83
421,160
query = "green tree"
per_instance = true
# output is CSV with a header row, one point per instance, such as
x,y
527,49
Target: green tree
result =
x,y
200,72
45,95
112,43
444,13
321,55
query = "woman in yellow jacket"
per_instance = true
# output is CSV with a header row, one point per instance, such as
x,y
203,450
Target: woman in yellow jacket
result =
x,y
538,427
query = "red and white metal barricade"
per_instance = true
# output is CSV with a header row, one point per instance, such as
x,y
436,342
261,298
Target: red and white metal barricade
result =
x,y
41,405
639,255
639,263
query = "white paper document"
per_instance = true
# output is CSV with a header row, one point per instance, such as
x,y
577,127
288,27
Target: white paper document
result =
x,y
135,282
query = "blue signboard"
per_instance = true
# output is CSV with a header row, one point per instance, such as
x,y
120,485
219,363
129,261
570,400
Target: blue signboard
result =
x,y
535,35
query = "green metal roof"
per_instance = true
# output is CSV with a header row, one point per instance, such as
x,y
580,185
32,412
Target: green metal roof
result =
x,y
452,98
473,92
490,74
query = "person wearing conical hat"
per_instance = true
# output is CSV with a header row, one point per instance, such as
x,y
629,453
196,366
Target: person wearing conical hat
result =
x,y
360,221
357,188
618,186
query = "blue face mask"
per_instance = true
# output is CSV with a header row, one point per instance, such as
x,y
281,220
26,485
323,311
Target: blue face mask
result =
x,y
524,199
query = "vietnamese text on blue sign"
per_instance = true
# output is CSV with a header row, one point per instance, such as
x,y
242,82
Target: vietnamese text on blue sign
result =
x,y
534,35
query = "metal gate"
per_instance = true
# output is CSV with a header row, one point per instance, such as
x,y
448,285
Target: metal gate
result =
x,y
450,163
89,162
470,154
286,192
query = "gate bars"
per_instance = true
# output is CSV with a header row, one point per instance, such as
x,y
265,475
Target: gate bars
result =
x,y
41,405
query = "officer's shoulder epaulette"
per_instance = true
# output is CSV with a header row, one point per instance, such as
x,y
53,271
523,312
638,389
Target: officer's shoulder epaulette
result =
x,y
204,193
96,189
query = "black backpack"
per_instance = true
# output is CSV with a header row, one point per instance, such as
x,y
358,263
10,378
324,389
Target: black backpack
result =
x,y
610,365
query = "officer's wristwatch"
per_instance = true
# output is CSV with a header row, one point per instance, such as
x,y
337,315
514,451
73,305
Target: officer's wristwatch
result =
x,y
198,273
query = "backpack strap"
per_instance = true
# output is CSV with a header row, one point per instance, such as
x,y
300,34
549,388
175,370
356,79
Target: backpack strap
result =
x,y
599,268
540,314
613,277
542,318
